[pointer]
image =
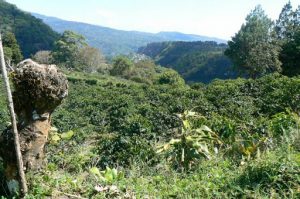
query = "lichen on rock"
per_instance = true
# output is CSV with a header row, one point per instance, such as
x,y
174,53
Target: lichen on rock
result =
x,y
40,88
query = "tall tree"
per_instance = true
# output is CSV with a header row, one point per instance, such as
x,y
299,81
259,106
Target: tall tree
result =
x,y
290,56
91,60
296,18
66,49
288,34
121,65
43,57
11,49
284,27
253,49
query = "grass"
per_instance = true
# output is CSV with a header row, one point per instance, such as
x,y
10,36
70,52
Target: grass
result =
x,y
276,174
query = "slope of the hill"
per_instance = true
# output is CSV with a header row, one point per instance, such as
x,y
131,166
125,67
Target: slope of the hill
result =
x,y
195,61
108,122
112,41
31,33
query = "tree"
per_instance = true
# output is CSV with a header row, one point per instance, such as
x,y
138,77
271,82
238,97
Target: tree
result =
x,y
296,18
121,65
171,77
290,56
91,60
67,48
288,34
43,57
11,49
253,49
284,27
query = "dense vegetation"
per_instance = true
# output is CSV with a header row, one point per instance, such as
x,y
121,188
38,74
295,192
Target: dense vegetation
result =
x,y
114,42
31,33
11,48
132,129
116,123
262,46
195,61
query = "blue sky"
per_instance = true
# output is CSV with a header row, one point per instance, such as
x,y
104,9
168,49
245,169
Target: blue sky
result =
x,y
218,18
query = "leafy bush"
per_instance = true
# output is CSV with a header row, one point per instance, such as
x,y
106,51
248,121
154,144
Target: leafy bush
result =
x,y
170,77
191,145
121,65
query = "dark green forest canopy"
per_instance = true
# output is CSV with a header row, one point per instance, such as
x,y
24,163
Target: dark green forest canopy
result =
x,y
31,33
195,61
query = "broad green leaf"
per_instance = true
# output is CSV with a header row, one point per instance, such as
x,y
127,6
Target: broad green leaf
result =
x,y
115,173
109,176
54,139
95,171
68,135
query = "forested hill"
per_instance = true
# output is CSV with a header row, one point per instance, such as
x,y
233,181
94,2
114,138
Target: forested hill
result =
x,y
112,41
31,33
195,61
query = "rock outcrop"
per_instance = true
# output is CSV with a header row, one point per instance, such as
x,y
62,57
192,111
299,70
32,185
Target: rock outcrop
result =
x,y
38,90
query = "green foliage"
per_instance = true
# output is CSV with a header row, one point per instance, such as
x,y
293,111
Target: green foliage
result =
x,y
121,66
170,77
240,141
290,55
285,25
117,123
252,49
275,176
145,71
287,31
91,60
43,57
191,145
12,52
107,176
66,49
31,33
281,124
4,118
131,117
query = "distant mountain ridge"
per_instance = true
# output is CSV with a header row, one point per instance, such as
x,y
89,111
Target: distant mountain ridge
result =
x,y
112,41
178,36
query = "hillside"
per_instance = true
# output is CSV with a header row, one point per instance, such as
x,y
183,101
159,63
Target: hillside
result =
x,y
108,122
112,41
132,127
31,33
195,61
